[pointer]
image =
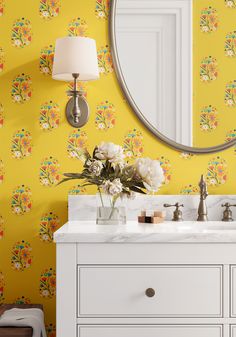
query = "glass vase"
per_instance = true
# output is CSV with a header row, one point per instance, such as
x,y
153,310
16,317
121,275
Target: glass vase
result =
x,y
109,213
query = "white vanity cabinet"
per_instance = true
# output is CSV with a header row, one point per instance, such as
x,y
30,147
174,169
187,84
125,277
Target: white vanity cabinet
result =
x,y
145,281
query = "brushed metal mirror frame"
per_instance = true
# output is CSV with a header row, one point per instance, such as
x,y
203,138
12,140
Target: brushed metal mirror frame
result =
x,y
138,112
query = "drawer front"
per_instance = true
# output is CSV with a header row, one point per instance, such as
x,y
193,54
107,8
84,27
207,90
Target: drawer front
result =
x,y
180,291
150,331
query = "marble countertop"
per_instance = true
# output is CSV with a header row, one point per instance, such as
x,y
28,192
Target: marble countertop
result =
x,y
132,232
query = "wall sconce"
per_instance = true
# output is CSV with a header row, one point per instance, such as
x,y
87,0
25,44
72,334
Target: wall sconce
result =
x,y
75,59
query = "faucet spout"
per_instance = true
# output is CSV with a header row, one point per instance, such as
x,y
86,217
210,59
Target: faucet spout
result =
x,y
202,208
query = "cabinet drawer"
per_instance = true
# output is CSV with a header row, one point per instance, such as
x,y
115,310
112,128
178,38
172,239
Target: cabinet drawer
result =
x,y
151,331
180,291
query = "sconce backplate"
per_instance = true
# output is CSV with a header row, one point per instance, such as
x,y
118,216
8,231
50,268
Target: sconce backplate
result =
x,y
84,110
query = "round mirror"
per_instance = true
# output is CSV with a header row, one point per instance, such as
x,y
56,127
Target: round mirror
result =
x,y
152,51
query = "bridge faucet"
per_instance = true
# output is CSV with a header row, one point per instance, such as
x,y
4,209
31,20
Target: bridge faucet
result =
x,y
202,208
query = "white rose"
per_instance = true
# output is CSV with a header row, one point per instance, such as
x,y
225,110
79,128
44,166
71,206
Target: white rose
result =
x,y
230,102
151,173
96,167
101,70
101,14
113,187
111,152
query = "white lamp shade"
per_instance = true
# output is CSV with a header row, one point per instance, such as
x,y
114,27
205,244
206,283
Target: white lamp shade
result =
x,y
75,55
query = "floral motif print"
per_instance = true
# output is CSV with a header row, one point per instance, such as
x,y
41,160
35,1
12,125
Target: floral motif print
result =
x,y
230,135
47,283
208,69
77,27
76,190
186,155
49,223
208,118
51,330
2,59
2,5
133,144
21,258
230,44
102,9
49,9
21,35
21,88
189,189
49,118
230,3
22,300
166,167
1,171
76,144
1,227
209,20
21,145
105,61
1,115
81,86
105,116
21,202
230,94
216,172
2,285
49,172
46,60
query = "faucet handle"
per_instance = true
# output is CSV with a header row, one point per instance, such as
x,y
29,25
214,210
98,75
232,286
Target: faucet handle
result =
x,y
227,214
177,215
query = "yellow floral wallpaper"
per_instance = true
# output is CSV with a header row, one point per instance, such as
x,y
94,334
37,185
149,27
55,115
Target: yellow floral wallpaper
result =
x,y
37,145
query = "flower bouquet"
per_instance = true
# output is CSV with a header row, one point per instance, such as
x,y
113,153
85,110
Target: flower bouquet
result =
x,y
108,169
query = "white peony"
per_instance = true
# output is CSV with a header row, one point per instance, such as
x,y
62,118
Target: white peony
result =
x,y
151,173
111,152
96,167
113,187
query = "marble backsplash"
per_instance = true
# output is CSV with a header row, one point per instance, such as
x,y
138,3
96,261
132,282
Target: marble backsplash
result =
x,y
83,207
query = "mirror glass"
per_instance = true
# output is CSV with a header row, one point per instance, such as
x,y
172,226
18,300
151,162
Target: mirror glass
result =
x,y
154,52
